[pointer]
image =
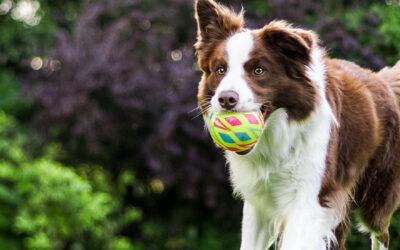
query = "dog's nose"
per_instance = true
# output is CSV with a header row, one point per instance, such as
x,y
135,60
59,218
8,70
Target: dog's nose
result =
x,y
228,99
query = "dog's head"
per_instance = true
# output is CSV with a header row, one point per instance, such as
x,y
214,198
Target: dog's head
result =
x,y
246,69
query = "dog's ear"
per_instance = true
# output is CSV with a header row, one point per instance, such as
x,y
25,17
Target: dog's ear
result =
x,y
291,42
215,22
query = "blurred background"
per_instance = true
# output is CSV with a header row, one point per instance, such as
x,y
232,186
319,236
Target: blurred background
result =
x,y
101,144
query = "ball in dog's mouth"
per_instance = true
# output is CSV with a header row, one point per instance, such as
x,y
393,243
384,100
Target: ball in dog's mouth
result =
x,y
265,110
236,131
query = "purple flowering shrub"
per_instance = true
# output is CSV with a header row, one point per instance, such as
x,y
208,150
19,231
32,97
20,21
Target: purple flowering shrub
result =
x,y
124,94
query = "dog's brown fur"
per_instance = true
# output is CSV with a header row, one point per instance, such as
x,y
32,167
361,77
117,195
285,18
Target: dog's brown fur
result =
x,y
363,164
363,160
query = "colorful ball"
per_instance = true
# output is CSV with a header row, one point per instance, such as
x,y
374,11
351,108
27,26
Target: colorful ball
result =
x,y
236,131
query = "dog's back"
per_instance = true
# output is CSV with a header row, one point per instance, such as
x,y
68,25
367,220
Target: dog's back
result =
x,y
392,76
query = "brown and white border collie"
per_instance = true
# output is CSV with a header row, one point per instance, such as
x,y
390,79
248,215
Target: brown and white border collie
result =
x,y
331,142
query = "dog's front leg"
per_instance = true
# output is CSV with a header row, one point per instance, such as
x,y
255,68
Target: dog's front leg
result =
x,y
254,232
304,230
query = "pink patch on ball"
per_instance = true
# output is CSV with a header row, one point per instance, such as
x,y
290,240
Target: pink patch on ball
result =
x,y
233,121
251,118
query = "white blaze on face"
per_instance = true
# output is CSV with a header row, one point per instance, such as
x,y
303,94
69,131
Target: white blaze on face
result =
x,y
238,48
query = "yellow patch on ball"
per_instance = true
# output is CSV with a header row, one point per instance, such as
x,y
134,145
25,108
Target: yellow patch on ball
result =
x,y
236,131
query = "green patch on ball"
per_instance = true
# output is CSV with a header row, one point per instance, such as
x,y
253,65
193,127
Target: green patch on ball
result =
x,y
236,131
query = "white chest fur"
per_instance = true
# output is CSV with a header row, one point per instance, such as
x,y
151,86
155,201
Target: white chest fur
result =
x,y
281,180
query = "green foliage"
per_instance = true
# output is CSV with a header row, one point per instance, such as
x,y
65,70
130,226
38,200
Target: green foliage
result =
x,y
180,231
385,43
58,204
389,27
23,41
10,100
259,6
394,231
19,43
46,205
361,241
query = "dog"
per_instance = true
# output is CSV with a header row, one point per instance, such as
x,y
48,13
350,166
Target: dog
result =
x,y
331,142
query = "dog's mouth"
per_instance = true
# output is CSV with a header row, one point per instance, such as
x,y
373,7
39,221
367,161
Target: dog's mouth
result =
x,y
266,110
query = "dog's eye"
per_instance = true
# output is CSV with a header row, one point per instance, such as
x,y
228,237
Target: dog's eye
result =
x,y
221,71
258,71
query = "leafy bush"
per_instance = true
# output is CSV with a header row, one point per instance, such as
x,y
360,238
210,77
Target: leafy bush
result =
x,y
389,27
45,205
